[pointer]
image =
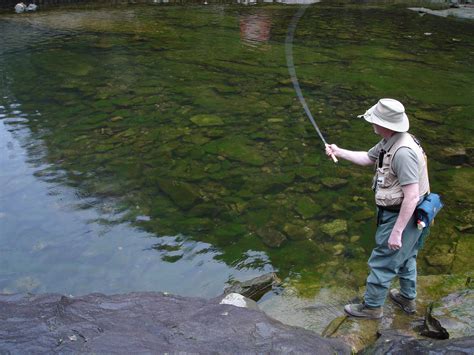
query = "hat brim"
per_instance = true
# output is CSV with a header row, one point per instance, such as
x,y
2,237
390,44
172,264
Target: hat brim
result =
x,y
371,117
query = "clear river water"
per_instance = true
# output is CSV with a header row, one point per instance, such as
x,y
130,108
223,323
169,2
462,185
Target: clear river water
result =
x,y
162,147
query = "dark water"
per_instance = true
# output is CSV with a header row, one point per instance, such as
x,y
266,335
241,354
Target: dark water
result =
x,y
163,147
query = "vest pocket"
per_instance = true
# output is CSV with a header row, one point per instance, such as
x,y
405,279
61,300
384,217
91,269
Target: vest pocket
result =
x,y
382,198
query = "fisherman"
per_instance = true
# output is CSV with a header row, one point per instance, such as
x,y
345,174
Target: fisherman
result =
x,y
400,184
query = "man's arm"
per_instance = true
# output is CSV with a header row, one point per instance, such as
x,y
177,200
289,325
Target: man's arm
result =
x,y
410,200
359,158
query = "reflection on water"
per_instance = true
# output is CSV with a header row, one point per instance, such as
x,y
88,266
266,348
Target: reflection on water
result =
x,y
147,145
255,28
47,244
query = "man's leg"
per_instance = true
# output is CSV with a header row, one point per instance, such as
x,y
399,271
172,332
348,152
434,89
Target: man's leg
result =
x,y
407,275
405,298
385,264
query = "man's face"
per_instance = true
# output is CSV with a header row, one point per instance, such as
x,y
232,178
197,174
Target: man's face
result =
x,y
376,128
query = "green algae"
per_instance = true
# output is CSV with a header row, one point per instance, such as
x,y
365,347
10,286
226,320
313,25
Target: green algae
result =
x,y
206,135
236,148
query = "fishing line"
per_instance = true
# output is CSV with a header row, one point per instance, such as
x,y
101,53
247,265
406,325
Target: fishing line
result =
x,y
291,69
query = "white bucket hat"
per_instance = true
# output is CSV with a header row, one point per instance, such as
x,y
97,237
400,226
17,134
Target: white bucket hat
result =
x,y
388,113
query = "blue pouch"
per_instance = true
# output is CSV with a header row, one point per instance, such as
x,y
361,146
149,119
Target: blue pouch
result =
x,y
425,213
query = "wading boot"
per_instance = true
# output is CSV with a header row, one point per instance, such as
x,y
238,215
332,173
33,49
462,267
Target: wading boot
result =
x,y
361,310
408,306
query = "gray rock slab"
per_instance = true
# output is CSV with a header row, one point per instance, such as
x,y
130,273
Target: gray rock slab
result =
x,y
146,322
452,316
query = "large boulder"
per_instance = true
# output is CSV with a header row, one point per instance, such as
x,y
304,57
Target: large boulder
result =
x,y
146,322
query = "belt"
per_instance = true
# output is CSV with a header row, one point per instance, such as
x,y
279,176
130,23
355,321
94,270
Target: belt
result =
x,y
390,208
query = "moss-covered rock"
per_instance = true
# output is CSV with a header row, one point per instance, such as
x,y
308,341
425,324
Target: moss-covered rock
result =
x,y
454,155
357,333
271,237
298,232
207,120
183,194
333,182
441,255
307,208
334,228
236,148
363,214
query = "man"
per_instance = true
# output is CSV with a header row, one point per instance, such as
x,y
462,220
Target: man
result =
x,y
400,183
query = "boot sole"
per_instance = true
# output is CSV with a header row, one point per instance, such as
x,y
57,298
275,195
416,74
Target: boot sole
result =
x,y
401,306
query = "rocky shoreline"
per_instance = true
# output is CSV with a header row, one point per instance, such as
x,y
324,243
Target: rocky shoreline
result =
x,y
147,322
231,323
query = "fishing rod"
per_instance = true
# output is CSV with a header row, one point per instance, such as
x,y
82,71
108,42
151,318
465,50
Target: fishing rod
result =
x,y
291,69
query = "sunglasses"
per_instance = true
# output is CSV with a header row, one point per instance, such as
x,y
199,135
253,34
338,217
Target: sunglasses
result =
x,y
381,155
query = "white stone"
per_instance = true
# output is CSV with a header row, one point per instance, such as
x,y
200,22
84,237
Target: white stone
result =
x,y
20,7
234,299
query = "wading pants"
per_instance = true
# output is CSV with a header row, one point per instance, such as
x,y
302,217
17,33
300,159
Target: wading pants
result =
x,y
386,264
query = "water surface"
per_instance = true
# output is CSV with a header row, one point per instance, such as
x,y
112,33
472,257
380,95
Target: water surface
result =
x,y
163,148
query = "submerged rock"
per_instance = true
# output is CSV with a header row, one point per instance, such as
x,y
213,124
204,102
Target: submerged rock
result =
x,y
307,208
271,237
363,214
297,232
454,155
254,288
183,194
334,182
440,256
146,323
207,120
335,227
236,148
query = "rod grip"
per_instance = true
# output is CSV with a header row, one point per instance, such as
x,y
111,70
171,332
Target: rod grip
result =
x,y
333,157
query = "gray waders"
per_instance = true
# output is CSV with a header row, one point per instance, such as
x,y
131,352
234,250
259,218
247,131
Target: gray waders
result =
x,y
385,264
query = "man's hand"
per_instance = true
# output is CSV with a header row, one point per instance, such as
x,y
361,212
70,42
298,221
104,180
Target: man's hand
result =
x,y
359,158
332,149
410,199
395,240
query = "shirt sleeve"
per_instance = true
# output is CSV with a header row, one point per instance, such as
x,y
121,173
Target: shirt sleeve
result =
x,y
373,152
405,166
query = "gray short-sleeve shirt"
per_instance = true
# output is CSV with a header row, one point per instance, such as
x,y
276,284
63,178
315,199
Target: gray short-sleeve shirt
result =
x,y
404,163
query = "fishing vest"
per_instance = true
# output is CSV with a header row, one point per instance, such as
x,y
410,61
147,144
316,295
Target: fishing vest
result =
x,y
388,191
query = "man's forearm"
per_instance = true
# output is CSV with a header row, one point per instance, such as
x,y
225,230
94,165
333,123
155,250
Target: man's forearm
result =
x,y
407,208
359,158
